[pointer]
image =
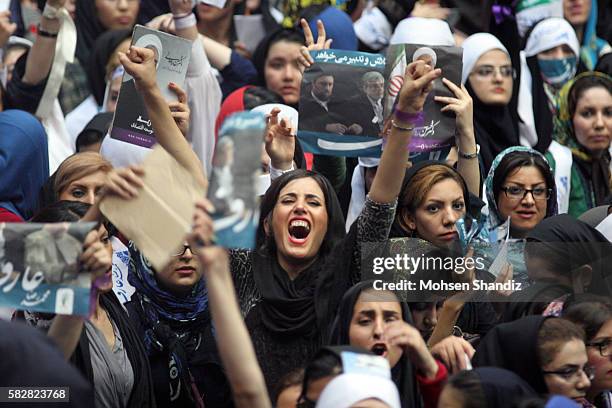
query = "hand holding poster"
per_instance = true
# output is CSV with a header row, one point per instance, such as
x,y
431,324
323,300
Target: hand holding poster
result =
x,y
131,122
341,104
439,129
40,267
234,177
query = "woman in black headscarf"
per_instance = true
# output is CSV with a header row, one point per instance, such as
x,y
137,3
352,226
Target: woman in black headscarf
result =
x,y
402,370
485,387
290,286
563,256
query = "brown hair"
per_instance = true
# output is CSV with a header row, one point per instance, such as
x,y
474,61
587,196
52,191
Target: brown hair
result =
x,y
553,334
414,193
78,166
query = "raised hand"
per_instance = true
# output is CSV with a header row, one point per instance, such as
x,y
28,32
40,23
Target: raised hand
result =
x,y
202,230
96,257
280,142
418,82
180,109
305,59
455,352
124,182
400,333
180,7
461,105
140,64
163,22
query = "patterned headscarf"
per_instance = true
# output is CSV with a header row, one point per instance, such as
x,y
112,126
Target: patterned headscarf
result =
x,y
564,128
495,218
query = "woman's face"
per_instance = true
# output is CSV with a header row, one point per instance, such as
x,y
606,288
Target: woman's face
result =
x,y
105,283
434,220
117,14
571,361
371,315
425,317
181,274
576,11
85,189
113,94
299,222
282,72
558,52
526,212
601,364
593,120
491,78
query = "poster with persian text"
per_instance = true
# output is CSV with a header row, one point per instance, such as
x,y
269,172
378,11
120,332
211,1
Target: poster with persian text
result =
x,y
438,130
131,123
341,104
40,270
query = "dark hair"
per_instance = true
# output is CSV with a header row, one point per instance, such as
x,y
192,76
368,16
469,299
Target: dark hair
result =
x,y
257,95
582,85
590,313
324,364
514,161
265,243
553,333
291,379
62,211
88,138
468,384
261,53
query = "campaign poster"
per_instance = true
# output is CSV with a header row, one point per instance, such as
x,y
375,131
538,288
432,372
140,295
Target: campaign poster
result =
x,y
234,178
131,123
438,130
341,104
40,270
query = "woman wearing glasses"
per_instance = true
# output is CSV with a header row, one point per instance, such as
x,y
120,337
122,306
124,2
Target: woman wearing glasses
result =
x,y
579,154
594,315
488,76
552,356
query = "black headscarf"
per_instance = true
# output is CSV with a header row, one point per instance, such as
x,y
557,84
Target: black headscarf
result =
x,y
502,388
513,346
585,245
88,28
494,127
142,391
403,372
305,305
100,55
472,203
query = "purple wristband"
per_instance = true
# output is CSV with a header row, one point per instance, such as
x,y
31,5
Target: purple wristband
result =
x,y
416,119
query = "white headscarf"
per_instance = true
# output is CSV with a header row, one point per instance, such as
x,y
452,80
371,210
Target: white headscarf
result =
x,y
358,193
348,389
418,30
473,48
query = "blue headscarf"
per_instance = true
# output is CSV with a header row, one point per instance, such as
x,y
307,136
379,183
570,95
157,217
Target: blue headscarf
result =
x,y
24,162
592,46
338,26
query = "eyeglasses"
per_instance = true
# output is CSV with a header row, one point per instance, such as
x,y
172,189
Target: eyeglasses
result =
x,y
181,250
519,193
486,71
604,347
573,374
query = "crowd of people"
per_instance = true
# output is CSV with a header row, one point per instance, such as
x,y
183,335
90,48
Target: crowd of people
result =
x,y
297,321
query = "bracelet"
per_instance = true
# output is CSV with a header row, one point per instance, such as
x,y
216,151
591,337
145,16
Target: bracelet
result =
x,y
50,12
416,118
407,129
185,21
469,156
46,34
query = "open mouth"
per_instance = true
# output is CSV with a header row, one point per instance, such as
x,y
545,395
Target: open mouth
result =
x,y
380,349
299,230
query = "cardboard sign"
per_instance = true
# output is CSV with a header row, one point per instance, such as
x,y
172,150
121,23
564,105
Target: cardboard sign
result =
x,y
40,269
234,179
341,104
131,123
